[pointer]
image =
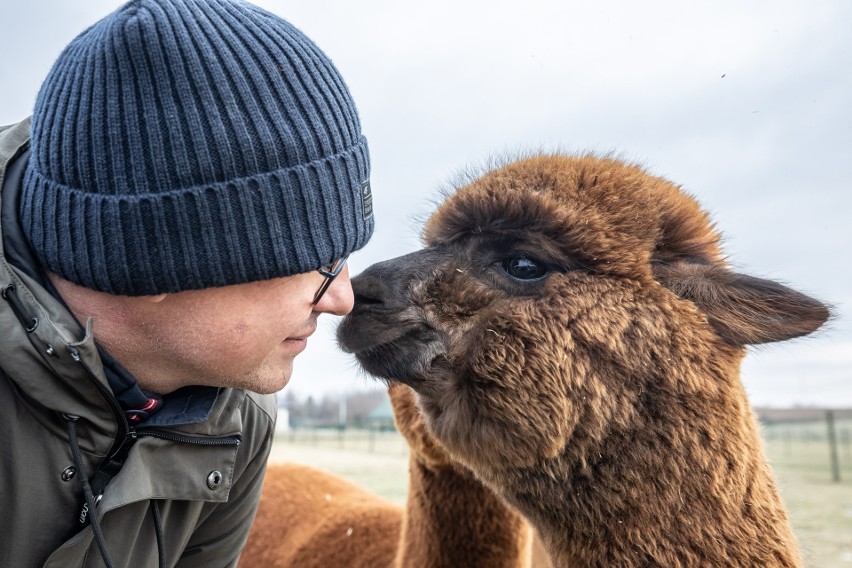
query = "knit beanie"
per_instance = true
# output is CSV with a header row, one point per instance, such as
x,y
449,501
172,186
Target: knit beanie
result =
x,y
185,144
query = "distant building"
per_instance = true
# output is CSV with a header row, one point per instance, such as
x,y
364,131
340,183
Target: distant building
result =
x,y
381,417
282,424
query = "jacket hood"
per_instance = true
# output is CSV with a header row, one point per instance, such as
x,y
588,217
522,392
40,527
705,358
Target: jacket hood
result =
x,y
46,354
41,362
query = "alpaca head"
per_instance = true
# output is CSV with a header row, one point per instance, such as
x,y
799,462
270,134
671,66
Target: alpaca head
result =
x,y
559,304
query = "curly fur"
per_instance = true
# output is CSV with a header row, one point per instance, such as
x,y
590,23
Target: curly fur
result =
x,y
602,400
313,519
308,518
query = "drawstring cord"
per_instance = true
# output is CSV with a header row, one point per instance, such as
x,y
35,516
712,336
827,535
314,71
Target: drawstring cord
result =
x,y
158,529
29,322
91,502
87,489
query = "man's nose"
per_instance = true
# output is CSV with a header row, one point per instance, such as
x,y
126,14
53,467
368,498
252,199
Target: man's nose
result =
x,y
338,299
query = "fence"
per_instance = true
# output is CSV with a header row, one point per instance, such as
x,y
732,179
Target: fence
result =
x,y
373,440
810,439
798,438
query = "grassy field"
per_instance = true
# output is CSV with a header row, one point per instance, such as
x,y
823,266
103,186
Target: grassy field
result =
x,y
821,509
376,461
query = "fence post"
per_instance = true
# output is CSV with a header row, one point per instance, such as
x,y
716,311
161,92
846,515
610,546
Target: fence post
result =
x,y
832,441
788,442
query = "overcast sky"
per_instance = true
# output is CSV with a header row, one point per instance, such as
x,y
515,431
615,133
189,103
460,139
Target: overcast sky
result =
x,y
744,104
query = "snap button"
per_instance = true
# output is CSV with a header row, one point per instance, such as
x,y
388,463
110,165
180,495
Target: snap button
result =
x,y
214,480
68,473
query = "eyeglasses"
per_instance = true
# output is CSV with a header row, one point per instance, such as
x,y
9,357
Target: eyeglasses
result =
x,y
330,272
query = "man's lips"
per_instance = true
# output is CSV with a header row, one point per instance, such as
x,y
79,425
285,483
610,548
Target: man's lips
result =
x,y
304,336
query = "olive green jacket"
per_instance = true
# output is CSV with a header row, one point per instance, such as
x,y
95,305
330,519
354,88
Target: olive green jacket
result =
x,y
50,372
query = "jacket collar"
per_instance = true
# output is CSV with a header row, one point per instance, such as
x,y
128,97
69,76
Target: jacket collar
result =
x,y
40,362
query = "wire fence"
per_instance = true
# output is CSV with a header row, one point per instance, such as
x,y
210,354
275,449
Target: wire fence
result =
x,y
374,440
810,439
814,439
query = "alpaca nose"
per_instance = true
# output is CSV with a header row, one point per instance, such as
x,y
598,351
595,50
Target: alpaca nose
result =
x,y
371,290
385,284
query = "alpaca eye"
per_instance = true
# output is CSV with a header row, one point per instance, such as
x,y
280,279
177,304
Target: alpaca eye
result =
x,y
523,268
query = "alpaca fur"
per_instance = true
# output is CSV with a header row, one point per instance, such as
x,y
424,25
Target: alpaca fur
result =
x,y
600,395
312,519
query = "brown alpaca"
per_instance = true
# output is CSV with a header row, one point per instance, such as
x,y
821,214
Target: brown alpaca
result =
x,y
311,519
299,522
574,337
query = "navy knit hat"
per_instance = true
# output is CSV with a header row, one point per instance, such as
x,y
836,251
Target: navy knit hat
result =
x,y
184,144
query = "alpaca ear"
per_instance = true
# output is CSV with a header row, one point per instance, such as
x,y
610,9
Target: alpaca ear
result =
x,y
742,309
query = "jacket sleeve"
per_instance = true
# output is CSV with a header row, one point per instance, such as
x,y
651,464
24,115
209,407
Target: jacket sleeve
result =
x,y
219,539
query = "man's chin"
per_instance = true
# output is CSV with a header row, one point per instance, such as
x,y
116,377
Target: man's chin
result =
x,y
275,385
266,387
267,390
266,381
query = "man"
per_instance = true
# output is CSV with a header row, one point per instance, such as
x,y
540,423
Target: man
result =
x,y
189,166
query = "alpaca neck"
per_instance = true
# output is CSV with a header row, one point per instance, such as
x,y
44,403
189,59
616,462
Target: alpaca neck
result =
x,y
453,520
710,500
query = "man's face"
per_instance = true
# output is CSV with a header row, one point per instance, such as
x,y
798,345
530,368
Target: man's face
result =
x,y
242,336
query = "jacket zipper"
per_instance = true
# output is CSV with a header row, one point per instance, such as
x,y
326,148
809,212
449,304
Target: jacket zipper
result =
x,y
130,433
184,439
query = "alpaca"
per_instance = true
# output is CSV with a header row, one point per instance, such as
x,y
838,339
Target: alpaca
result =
x,y
574,337
311,519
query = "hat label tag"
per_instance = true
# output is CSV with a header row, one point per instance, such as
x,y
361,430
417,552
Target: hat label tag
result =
x,y
366,200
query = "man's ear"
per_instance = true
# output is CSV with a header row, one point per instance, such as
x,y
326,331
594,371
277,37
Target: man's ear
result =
x,y
742,309
154,299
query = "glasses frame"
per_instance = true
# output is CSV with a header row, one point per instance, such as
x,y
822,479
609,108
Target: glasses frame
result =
x,y
330,272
